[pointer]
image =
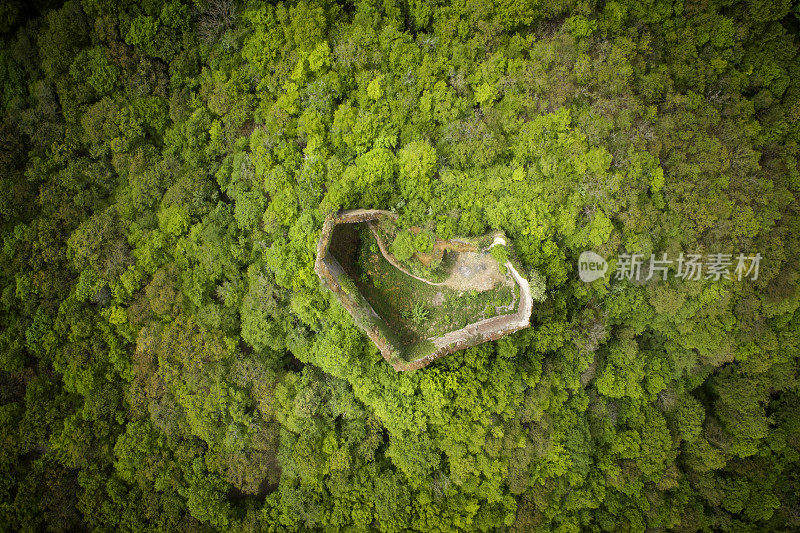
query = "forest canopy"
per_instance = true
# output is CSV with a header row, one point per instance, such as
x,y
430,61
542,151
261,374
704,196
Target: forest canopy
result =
x,y
169,360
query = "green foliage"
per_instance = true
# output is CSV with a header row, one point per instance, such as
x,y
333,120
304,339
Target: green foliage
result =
x,y
423,242
417,314
538,286
500,254
417,165
142,32
403,245
169,360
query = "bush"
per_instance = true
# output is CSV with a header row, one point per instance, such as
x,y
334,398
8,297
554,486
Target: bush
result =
x,y
403,245
423,242
538,286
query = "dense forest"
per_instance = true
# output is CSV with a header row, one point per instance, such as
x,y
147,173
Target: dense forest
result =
x,y
169,360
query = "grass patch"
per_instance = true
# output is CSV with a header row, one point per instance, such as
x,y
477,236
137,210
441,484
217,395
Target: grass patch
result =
x,y
412,310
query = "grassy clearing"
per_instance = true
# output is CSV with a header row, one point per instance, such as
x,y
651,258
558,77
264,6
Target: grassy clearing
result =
x,y
411,308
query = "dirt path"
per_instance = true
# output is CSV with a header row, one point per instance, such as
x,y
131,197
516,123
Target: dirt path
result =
x,y
492,326
472,270
489,329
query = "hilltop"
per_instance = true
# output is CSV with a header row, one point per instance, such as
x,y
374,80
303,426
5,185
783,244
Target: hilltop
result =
x,y
429,298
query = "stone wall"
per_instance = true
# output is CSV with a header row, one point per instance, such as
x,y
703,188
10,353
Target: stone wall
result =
x,y
329,270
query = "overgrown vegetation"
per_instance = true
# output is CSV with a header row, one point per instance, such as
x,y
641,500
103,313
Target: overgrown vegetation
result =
x,y
418,314
417,250
415,310
170,362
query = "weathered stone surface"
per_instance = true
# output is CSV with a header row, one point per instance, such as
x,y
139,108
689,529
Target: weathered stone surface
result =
x,y
329,271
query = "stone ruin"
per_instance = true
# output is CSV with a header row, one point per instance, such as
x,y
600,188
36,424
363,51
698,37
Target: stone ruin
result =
x,y
334,278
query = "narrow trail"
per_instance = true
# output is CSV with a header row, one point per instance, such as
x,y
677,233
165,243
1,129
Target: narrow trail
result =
x,y
478,332
482,275
394,262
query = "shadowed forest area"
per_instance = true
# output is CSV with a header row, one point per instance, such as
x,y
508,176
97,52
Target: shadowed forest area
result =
x,y
169,360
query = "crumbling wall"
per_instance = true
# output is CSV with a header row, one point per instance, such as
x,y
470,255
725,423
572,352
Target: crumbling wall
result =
x,y
329,271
